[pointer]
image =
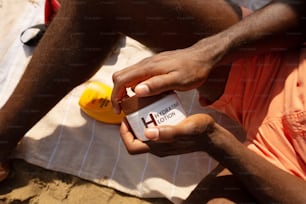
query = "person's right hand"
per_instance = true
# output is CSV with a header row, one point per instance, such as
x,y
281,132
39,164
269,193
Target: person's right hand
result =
x,y
192,134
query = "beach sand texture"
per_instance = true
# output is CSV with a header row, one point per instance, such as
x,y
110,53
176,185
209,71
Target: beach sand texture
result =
x,y
29,184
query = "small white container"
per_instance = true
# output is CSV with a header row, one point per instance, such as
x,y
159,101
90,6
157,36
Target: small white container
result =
x,y
141,113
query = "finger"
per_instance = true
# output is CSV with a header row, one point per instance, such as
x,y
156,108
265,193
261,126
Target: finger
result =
x,y
143,70
194,125
170,133
159,84
133,145
162,134
162,149
126,78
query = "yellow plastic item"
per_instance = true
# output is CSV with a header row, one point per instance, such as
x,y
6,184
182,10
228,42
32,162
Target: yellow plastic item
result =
x,y
95,101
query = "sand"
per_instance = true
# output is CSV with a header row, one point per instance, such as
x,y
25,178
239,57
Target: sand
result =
x,y
34,185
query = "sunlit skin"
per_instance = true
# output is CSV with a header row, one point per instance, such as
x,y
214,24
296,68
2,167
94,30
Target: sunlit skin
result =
x,y
192,40
80,38
258,180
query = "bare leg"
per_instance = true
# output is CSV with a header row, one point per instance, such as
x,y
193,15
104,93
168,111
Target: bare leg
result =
x,y
80,38
69,53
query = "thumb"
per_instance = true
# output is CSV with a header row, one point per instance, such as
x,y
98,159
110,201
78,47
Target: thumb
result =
x,y
161,133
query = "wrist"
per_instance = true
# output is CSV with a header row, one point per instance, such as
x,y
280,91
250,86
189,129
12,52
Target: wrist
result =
x,y
221,143
216,48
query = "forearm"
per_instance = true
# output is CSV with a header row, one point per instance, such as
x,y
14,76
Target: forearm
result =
x,y
265,181
276,27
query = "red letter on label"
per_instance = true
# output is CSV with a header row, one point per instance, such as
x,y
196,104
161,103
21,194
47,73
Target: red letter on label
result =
x,y
146,123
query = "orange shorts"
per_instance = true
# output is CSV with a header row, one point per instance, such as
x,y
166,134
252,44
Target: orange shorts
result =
x,y
267,96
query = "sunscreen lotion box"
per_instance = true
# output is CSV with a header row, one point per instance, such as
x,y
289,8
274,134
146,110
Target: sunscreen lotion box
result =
x,y
144,112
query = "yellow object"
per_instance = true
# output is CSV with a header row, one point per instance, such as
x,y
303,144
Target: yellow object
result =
x,y
95,101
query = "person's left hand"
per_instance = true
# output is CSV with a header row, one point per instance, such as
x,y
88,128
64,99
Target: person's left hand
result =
x,y
181,70
191,135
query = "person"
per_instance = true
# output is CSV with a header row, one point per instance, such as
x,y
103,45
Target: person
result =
x,y
83,33
265,92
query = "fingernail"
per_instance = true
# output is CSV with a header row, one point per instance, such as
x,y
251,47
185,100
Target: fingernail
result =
x,y
142,89
152,133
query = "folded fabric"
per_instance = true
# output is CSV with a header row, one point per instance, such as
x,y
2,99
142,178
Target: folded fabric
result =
x,y
266,94
94,150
